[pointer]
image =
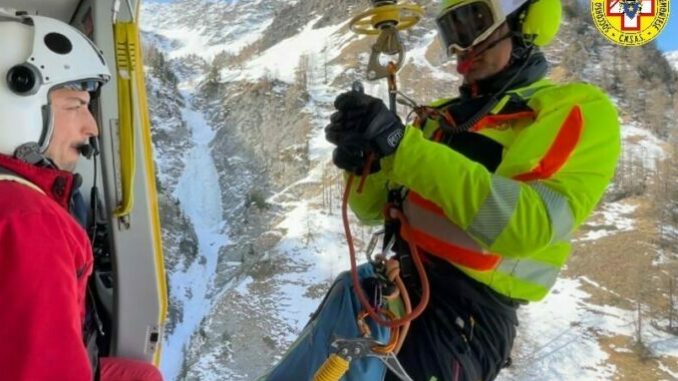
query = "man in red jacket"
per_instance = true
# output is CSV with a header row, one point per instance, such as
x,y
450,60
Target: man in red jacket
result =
x,y
48,70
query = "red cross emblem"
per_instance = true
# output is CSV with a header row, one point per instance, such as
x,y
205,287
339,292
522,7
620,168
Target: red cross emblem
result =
x,y
630,12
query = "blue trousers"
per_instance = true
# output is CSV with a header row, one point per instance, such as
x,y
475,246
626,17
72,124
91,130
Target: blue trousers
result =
x,y
336,317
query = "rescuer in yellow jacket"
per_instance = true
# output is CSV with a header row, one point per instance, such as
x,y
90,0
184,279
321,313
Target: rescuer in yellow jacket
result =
x,y
492,185
493,182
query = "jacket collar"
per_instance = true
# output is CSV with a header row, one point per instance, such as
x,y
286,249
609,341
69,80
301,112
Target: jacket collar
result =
x,y
473,98
525,70
57,185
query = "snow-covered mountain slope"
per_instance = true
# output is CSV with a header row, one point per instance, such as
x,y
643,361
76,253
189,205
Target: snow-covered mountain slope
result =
x,y
209,27
244,163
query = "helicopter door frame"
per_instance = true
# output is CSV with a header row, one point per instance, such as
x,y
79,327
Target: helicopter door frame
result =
x,y
139,290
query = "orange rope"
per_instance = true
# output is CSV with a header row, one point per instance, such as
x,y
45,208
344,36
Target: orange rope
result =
x,y
399,326
392,69
395,332
392,86
366,172
393,274
360,293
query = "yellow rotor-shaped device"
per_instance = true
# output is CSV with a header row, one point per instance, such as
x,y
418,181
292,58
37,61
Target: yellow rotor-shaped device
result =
x,y
402,16
386,19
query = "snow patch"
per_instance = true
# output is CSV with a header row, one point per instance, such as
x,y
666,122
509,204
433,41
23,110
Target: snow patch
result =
x,y
556,342
199,39
199,193
611,218
281,60
672,57
641,144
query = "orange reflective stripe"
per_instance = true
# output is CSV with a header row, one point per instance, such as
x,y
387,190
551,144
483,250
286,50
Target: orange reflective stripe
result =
x,y
491,120
438,226
424,203
456,254
560,150
431,230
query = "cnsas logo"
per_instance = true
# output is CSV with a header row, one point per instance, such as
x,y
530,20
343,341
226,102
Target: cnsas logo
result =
x,y
630,22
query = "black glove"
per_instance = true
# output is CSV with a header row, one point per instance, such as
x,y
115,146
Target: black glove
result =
x,y
353,159
361,126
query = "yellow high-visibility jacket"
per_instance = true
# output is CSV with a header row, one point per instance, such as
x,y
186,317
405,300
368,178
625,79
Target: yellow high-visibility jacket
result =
x,y
555,167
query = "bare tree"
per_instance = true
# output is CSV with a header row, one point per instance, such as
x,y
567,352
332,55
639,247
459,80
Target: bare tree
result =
x,y
302,74
672,304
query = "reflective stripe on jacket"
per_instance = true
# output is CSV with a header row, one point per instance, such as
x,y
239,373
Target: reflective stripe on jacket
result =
x,y
436,234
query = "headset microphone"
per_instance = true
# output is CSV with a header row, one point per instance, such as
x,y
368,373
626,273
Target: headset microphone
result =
x,y
89,149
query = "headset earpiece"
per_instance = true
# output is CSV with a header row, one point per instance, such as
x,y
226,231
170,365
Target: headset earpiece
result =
x,y
541,21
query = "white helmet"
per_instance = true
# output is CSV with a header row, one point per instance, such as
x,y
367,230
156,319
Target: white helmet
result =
x,y
38,55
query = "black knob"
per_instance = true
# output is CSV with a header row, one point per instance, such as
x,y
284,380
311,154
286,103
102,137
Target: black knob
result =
x,y
21,79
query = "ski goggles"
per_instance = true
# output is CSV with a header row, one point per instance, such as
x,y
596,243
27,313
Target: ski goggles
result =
x,y
468,23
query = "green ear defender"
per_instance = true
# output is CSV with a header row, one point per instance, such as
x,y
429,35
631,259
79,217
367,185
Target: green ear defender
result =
x,y
542,21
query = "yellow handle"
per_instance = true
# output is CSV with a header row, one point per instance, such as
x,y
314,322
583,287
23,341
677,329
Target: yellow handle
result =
x,y
133,108
126,56
404,16
332,370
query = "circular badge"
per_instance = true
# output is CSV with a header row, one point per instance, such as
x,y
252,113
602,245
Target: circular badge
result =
x,y
630,22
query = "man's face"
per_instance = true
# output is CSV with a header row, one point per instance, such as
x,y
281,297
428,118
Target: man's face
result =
x,y
490,61
73,126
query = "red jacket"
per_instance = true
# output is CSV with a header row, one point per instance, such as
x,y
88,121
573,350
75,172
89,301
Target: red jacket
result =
x,y
45,260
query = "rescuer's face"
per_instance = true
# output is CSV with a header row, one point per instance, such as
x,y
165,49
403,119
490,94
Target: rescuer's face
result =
x,y
489,62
